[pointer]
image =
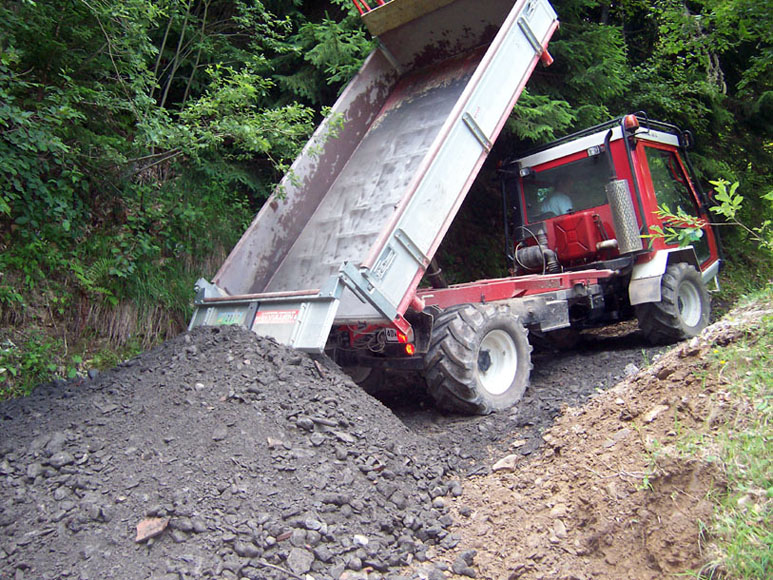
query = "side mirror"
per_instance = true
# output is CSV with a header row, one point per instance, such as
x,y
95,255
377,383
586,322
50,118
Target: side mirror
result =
x,y
686,140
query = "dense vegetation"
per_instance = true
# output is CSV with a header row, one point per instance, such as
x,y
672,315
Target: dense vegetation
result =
x,y
138,137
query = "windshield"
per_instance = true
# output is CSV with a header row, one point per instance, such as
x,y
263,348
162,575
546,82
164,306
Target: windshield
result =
x,y
565,189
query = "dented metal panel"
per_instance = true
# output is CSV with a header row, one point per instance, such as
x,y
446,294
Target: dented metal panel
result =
x,y
351,216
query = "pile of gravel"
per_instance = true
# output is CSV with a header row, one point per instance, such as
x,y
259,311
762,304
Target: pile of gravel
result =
x,y
254,459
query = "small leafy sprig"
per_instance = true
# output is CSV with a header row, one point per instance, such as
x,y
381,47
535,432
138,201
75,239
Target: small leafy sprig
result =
x,y
678,228
728,206
682,228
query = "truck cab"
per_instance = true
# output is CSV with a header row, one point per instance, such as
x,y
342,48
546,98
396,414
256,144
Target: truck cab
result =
x,y
563,219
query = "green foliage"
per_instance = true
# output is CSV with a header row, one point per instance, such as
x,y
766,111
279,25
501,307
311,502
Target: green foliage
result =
x,y
679,228
107,357
592,64
39,184
331,52
539,118
685,229
729,201
680,78
729,206
26,365
10,297
132,132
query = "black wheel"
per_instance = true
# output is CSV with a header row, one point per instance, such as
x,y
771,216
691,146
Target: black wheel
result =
x,y
372,381
479,359
683,310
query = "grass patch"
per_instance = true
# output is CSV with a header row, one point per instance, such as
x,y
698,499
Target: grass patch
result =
x,y
52,328
742,531
27,362
107,357
30,359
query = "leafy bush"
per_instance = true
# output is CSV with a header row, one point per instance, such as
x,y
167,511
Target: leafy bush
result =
x,y
24,366
138,137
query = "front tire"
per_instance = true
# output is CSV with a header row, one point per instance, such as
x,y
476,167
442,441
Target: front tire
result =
x,y
479,359
683,310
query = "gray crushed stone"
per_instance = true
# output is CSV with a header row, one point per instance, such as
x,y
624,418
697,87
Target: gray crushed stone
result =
x,y
266,464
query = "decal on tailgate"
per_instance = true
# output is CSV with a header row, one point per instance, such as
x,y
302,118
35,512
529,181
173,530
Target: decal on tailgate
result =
x,y
230,317
276,317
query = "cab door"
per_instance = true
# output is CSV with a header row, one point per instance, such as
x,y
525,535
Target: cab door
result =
x,y
672,187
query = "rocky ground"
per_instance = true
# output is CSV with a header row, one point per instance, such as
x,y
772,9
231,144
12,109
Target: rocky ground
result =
x,y
221,454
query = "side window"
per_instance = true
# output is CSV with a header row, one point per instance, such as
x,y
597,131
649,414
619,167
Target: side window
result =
x,y
672,190
670,186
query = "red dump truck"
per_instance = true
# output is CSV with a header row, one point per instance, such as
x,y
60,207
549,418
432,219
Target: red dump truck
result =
x,y
334,261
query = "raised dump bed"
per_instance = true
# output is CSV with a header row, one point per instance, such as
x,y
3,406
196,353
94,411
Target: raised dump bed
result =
x,y
354,224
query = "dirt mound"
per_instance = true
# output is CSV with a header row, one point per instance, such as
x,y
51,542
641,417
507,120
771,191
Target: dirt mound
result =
x,y
609,496
254,460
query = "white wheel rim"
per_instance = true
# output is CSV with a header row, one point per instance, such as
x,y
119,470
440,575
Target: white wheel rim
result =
x,y
689,304
497,362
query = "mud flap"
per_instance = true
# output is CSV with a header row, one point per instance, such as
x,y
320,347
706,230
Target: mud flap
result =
x,y
645,278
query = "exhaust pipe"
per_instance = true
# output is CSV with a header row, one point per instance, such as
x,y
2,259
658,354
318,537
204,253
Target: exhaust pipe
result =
x,y
623,213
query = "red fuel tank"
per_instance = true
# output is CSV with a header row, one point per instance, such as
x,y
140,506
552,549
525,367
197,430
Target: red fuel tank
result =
x,y
574,237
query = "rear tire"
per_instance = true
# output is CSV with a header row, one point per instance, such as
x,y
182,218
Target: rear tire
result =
x,y
371,380
479,359
683,310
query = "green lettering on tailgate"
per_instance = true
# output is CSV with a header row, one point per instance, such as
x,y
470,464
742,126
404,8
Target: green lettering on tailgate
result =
x,y
229,318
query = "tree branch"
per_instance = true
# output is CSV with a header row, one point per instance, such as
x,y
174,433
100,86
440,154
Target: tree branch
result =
x,y
176,55
115,65
198,54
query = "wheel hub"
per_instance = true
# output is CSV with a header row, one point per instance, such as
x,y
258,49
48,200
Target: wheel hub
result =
x,y
689,304
484,360
497,362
